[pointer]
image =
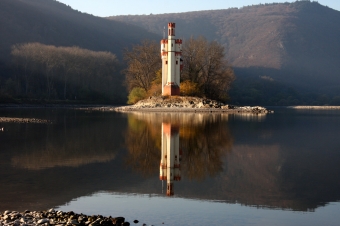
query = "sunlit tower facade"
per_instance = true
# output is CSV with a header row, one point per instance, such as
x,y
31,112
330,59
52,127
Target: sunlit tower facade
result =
x,y
171,156
171,54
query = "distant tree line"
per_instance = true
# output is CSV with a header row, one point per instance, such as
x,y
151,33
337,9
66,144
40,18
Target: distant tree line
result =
x,y
206,73
48,73
62,73
269,92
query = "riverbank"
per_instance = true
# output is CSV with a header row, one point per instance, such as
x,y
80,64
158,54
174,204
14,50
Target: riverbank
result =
x,y
24,120
316,107
58,218
177,104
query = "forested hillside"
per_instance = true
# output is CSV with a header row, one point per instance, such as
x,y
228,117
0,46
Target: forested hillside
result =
x,y
282,53
54,24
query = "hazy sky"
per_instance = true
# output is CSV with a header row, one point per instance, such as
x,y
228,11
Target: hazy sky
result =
x,y
133,7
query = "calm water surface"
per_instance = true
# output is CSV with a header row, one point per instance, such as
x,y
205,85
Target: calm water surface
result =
x,y
176,169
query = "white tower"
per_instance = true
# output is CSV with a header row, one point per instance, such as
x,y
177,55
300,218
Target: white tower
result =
x,y
171,156
171,52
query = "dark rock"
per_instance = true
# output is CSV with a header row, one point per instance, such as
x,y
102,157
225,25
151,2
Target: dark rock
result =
x,y
118,220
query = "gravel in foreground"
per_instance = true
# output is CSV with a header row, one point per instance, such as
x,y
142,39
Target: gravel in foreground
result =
x,y
58,218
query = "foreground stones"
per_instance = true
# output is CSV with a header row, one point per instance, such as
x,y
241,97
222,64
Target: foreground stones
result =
x,y
57,218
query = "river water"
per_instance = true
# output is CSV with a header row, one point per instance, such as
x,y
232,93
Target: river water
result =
x,y
175,169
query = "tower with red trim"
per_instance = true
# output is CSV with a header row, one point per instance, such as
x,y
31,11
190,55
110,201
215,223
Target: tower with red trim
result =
x,y
171,52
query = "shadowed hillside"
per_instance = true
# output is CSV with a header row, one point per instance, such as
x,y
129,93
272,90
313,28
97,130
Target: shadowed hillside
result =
x,y
53,23
293,45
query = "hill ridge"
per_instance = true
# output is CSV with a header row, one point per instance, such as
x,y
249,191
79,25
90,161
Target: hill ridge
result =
x,y
292,43
54,23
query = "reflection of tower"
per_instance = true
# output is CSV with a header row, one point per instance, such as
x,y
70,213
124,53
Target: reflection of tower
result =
x,y
171,156
171,51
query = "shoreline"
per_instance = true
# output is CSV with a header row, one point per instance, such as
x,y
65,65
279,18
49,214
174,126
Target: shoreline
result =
x,y
315,107
204,108
23,120
234,109
188,104
172,108
59,218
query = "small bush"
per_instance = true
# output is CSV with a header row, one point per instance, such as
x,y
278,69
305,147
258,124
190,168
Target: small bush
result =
x,y
155,90
136,95
189,88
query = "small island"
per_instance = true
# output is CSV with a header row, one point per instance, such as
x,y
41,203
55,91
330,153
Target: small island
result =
x,y
187,104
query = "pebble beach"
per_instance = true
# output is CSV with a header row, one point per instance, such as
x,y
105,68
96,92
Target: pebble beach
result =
x,y
58,218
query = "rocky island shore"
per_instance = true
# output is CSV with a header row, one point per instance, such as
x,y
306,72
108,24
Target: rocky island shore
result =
x,y
24,120
58,218
189,104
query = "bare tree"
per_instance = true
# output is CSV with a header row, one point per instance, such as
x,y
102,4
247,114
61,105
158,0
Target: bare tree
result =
x,y
143,62
205,65
22,57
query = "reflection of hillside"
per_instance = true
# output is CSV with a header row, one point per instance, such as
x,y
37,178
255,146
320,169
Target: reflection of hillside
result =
x,y
252,176
143,141
204,141
66,145
39,160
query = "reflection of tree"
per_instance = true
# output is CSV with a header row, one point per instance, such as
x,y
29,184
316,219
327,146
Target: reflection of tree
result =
x,y
204,148
204,140
143,145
